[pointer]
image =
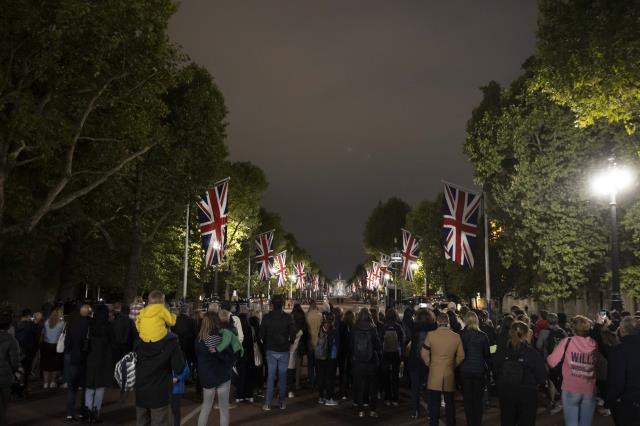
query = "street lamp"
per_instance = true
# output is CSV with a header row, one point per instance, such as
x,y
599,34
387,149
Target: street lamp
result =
x,y
611,181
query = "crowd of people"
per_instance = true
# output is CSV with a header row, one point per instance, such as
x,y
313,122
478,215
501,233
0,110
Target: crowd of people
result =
x,y
236,354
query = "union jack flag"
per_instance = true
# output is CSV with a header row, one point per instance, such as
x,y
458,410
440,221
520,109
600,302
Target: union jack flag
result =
x,y
299,268
369,279
462,210
212,215
375,271
385,261
281,268
409,254
264,254
316,282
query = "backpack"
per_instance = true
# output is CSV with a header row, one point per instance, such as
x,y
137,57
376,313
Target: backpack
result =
x,y
322,347
362,346
554,337
512,372
390,342
125,372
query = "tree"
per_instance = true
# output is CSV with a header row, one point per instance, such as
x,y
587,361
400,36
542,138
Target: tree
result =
x,y
588,58
382,229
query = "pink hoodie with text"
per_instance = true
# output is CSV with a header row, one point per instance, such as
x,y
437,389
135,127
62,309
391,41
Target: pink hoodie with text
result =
x,y
578,370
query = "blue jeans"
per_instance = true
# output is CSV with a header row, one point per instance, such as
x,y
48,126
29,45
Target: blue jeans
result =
x,y
276,361
578,409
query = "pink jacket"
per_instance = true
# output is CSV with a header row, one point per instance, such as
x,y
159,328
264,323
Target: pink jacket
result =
x,y
578,370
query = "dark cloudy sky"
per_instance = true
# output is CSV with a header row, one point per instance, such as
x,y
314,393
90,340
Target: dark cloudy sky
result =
x,y
345,103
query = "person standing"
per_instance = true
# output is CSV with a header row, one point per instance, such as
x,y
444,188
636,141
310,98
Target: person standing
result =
x,y
278,332
366,353
124,333
314,320
186,330
623,381
344,354
424,323
50,359
177,391
392,338
520,371
135,308
442,352
9,363
76,345
474,368
27,335
100,363
577,356
326,355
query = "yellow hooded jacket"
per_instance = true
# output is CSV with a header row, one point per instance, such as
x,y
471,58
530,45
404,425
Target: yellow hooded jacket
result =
x,y
152,322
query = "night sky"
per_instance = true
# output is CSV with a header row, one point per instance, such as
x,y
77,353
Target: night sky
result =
x,y
345,103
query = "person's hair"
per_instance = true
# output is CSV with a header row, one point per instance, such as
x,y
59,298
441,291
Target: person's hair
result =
x,y
581,325
364,315
100,323
138,299
349,318
5,319
629,326
463,310
544,314
442,320
471,321
156,297
277,302
224,315
391,315
552,318
85,310
210,322
515,308
226,305
562,318
381,317
124,309
518,333
54,317
312,305
337,312
26,312
523,318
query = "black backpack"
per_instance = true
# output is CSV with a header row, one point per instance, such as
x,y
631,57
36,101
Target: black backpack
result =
x,y
390,343
322,347
362,346
512,371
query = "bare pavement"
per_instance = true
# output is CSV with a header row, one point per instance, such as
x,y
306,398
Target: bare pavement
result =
x,y
47,407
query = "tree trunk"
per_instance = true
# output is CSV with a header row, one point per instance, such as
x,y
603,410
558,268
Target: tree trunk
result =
x,y
70,248
135,249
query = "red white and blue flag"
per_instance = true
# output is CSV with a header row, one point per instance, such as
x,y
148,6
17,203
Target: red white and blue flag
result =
x,y
385,261
264,254
281,268
375,271
409,254
462,211
299,268
369,279
212,215
316,282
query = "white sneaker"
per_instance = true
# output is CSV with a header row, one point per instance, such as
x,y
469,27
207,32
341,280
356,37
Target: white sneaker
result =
x,y
45,385
64,386
330,402
250,400
556,409
53,385
290,394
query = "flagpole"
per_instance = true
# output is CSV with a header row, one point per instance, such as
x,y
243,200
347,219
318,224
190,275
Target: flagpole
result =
x,y
186,256
249,275
486,254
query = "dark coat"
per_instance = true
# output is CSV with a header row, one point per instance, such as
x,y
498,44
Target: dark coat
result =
x,y
418,334
624,370
535,372
371,366
477,358
9,358
74,341
124,332
27,334
388,325
214,369
154,371
100,362
277,331
185,328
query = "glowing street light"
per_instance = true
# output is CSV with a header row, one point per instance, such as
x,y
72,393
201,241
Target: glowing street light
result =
x,y
611,181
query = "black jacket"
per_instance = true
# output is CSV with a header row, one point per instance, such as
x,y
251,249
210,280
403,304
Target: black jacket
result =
x,y
185,328
124,331
74,342
623,377
100,363
535,372
372,365
277,331
214,369
27,336
154,371
418,333
477,357
9,358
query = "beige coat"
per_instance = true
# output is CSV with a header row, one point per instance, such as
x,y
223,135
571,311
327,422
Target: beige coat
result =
x,y
314,321
445,353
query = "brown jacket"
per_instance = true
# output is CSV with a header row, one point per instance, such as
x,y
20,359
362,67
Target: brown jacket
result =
x,y
314,320
443,355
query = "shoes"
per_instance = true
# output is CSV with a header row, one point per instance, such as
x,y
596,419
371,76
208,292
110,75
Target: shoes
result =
x,y
331,402
321,401
70,419
63,386
266,407
283,405
605,412
373,414
394,403
250,400
290,394
365,405
45,385
360,413
53,385
387,403
239,400
414,415
344,398
556,409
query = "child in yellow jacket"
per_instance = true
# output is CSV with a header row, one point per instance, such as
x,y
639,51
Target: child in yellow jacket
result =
x,y
152,321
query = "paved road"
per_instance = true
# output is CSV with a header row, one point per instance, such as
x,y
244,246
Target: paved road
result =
x,y
48,408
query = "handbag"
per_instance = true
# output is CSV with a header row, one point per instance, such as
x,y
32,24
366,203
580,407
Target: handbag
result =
x,y
257,355
60,344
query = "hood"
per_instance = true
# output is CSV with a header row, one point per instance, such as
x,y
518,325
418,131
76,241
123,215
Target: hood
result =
x,y
151,349
364,325
583,344
151,310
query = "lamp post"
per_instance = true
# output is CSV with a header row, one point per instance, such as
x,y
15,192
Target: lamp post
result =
x,y
611,181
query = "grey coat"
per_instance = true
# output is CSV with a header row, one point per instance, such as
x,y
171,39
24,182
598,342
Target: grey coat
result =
x,y
9,358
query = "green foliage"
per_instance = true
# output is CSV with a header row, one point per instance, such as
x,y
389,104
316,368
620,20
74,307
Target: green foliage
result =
x,y
382,230
588,58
